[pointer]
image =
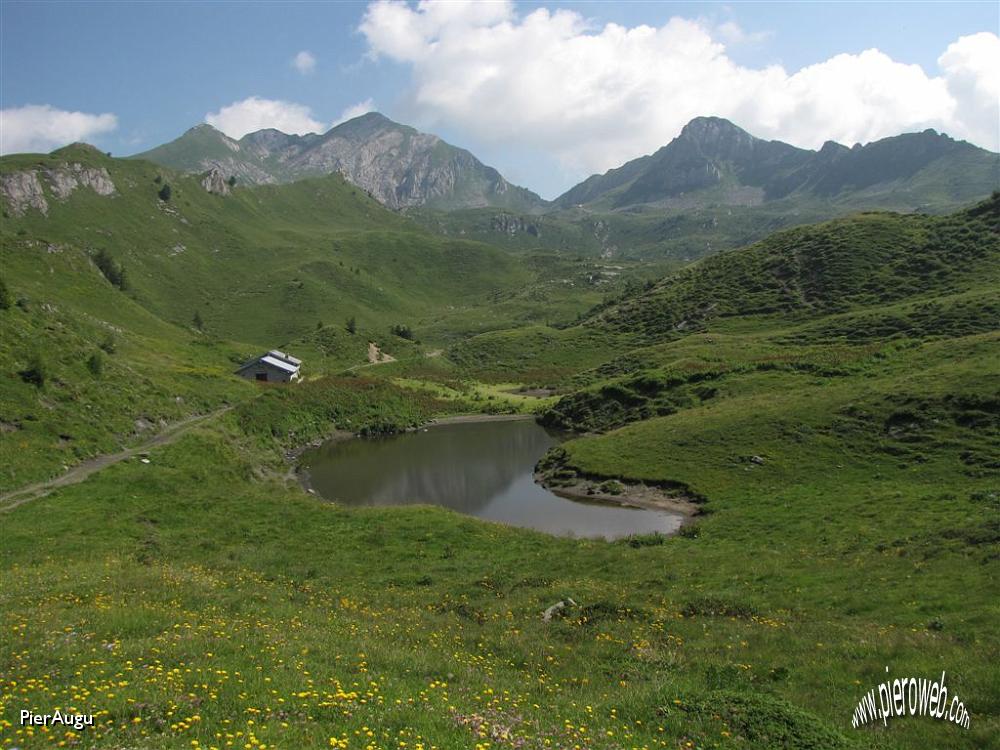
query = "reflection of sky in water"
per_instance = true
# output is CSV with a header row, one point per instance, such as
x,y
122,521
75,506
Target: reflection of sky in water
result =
x,y
483,469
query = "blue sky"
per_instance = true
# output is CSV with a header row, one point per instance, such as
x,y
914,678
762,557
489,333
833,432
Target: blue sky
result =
x,y
546,92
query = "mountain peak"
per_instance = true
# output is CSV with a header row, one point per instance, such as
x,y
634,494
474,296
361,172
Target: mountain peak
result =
x,y
714,162
394,163
369,122
203,127
373,116
702,129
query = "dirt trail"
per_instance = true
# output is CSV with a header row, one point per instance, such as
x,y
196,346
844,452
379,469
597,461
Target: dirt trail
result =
x,y
78,473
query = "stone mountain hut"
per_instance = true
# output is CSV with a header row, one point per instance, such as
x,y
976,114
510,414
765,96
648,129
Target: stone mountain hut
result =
x,y
273,367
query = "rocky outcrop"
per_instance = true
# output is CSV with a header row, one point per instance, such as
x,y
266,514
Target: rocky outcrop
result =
x,y
512,225
21,191
215,182
66,178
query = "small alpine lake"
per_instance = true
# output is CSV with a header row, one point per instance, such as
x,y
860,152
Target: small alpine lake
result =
x,y
482,468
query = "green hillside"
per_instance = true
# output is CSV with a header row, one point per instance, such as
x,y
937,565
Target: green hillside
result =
x,y
863,261
273,266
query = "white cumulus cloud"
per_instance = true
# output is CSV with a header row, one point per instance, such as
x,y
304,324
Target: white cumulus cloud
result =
x,y
41,128
254,113
598,96
971,68
304,62
356,110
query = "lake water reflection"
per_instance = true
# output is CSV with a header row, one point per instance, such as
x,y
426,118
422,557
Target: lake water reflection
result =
x,y
482,469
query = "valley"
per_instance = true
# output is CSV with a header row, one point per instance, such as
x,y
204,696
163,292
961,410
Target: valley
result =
x,y
815,376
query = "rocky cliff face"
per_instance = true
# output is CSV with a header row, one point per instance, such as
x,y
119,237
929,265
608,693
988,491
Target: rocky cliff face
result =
x,y
215,182
23,190
399,166
65,179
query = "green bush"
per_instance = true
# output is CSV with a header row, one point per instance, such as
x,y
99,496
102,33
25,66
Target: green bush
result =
x,y
762,720
96,364
403,331
113,271
6,298
36,372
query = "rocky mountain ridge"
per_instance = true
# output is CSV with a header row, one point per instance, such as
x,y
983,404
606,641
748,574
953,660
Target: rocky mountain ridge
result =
x,y
396,164
714,162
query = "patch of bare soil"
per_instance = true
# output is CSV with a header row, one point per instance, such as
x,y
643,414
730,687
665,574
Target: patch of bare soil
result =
x,y
624,494
376,356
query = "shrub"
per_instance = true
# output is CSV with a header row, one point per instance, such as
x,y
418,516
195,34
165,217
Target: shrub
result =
x,y
611,487
165,192
96,364
6,298
404,332
351,325
197,322
36,372
110,269
689,531
645,540
763,720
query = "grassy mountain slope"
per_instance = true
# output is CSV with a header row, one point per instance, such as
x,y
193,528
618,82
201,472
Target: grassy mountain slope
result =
x,y
263,264
863,261
273,266
870,276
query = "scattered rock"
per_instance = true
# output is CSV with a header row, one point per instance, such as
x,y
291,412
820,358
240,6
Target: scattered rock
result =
x,y
556,608
757,460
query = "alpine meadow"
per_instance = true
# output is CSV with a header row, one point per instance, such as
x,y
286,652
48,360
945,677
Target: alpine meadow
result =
x,y
329,435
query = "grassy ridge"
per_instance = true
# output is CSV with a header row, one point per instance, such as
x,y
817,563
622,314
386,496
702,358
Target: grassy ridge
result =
x,y
865,261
